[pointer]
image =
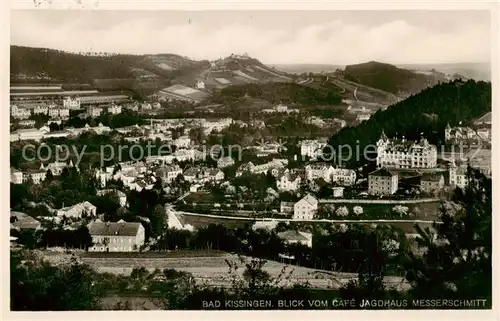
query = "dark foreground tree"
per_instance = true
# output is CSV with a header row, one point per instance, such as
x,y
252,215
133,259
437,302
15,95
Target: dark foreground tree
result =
x,y
36,285
456,262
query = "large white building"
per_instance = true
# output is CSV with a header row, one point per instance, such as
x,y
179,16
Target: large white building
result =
x,y
306,208
405,154
118,236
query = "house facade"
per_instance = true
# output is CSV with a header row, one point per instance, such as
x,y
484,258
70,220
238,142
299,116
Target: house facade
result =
x,y
288,182
305,208
382,182
118,236
432,183
225,162
78,210
311,148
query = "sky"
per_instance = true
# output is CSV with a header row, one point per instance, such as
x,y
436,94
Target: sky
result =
x,y
274,37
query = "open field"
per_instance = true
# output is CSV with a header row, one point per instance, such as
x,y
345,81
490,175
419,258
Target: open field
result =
x,y
213,271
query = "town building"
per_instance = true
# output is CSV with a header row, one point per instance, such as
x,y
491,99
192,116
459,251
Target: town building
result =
x,y
287,207
457,175
203,175
16,176
405,154
264,225
122,197
274,166
319,170
343,176
200,84
78,210
42,109
118,236
305,208
72,103
210,126
182,142
311,148
288,182
27,123
36,176
432,183
101,100
168,173
224,162
361,117
382,182
19,112
94,111
114,109
22,221
56,168
59,112
338,191
296,237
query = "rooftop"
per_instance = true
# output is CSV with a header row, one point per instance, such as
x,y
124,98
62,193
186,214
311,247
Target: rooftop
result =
x,y
120,228
382,172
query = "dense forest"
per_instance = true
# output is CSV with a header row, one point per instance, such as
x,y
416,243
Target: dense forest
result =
x,y
68,66
426,113
388,77
278,92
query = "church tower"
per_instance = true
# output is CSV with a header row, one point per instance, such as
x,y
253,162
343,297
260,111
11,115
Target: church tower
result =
x,y
381,146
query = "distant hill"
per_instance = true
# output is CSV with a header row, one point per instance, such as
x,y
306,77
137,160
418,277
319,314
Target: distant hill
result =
x,y
390,78
306,68
476,71
137,72
450,102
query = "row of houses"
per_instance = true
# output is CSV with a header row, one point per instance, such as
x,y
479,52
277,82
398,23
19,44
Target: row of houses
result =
x,y
38,175
27,110
45,133
383,182
118,236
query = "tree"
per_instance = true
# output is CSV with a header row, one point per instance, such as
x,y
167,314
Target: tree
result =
x,y
158,219
33,283
457,257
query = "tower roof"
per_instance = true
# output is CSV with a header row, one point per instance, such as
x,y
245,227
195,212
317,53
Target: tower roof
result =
x,y
383,136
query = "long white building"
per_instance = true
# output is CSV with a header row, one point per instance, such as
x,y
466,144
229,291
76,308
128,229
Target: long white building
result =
x,y
405,154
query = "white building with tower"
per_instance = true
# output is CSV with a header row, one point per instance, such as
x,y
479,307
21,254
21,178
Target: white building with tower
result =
x,y
402,153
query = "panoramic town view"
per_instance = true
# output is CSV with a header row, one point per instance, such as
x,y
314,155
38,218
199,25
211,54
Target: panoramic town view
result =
x,y
235,161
